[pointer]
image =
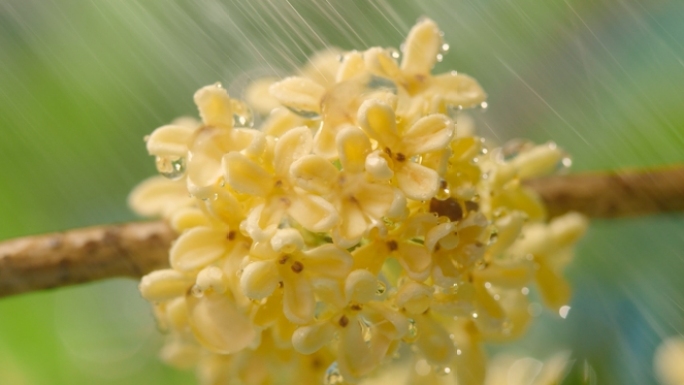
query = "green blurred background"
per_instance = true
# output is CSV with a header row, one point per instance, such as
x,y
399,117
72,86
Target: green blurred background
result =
x,y
81,83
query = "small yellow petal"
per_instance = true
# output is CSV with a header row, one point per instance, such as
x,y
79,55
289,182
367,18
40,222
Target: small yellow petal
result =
x,y
328,261
379,122
299,94
213,103
421,48
360,286
314,173
170,140
257,95
209,317
429,133
246,176
457,90
259,279
158,196
162,285
416,181
313,212
352,65
414,296
197,248
298,299
310,339
353,147
293,145
538,161
211,277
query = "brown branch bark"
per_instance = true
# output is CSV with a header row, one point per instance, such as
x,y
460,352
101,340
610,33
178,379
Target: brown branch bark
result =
x,y
134,249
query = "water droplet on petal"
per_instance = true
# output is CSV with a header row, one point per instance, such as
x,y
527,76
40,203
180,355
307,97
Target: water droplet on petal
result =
x,y
393,53
242,114
304,114
412,333
440,57
380,83
333,375
172,167
381,289
484,105
444,48
196,291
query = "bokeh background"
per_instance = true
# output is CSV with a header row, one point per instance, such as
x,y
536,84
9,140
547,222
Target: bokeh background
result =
x,y
81,83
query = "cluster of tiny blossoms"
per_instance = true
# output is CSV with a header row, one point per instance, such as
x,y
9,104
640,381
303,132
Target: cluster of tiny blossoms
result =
x,y
355,226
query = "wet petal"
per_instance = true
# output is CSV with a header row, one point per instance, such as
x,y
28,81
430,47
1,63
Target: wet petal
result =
x,y
429,133
313,212
218,324
158,196
328,261
414,296
379,122
170,140
471,364
554,289
457,90
259,279
353,146
353,223
187,218
309,339
360,286
298,300
417,182
257,95
434,341
287,240
299,94
374,199
246,176
415,259
378,166
352,65
537,161
322,66
162,285
213,103
197,248
354,358
421,48
314,174
293,145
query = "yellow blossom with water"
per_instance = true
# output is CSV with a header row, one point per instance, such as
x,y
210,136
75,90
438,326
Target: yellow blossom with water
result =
x,y
355,227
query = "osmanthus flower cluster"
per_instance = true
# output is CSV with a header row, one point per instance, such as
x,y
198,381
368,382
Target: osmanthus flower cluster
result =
x,y
356,224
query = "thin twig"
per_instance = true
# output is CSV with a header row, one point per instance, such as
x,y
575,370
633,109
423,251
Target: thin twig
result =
x,y
134,249
613,195
83,255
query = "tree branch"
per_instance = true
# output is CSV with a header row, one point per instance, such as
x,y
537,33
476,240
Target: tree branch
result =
x,y
134,249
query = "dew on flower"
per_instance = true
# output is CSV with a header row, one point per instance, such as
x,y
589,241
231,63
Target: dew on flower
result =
x,y
170,167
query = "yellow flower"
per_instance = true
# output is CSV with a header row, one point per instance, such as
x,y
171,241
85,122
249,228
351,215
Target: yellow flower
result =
x,y
351,222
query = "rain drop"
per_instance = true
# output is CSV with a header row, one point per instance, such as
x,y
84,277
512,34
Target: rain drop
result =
x,y
170,167
197,291
412,333
333,375
381,289
242,114
380,83
304,114
393,53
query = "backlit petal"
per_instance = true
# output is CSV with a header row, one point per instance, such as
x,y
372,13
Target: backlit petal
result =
x,y
417,182
353,147
421,48
429,133
213,103
170,140
218,324
299,94
314,174
246,176
197,248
